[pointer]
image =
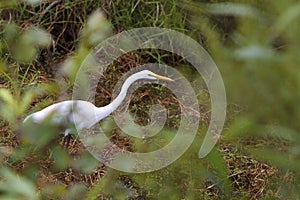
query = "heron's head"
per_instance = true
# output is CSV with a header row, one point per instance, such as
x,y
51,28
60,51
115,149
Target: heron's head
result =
x,y
152,76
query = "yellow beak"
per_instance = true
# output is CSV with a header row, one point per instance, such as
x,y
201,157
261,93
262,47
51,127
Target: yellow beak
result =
x,y
161,77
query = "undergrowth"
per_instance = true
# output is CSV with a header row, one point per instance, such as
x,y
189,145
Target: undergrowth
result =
x,y
255,46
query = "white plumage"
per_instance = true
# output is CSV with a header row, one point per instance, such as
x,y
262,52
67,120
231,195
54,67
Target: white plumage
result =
x,y
83,113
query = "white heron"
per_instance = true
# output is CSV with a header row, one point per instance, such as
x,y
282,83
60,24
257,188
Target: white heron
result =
x,y
84,113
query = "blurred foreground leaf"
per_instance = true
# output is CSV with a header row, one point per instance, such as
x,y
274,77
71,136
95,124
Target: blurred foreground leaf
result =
x,y
287,17
234,9
12,186
97,29
86,163
8,106
24,45
61,158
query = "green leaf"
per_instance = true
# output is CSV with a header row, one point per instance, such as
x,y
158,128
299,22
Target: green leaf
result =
x,y
277,158
11,33
2,66
61,158
14,186
254,52
6,96
24,51
53,191
77,191
39,135
38,36
234,9
33,2
8,107
97,188
26,47
86,163
26,100
7,3
284,21
98,28
283,132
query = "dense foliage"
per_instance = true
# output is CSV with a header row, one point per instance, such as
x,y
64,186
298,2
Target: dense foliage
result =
x,y
255,45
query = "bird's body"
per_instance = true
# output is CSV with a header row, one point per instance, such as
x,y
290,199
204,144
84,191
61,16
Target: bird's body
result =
x,y
66,112
83,113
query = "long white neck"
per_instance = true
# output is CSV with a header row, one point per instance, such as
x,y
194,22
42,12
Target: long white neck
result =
x,y
103,112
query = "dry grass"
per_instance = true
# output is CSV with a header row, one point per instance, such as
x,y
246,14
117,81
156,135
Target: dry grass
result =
x,y
248,175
